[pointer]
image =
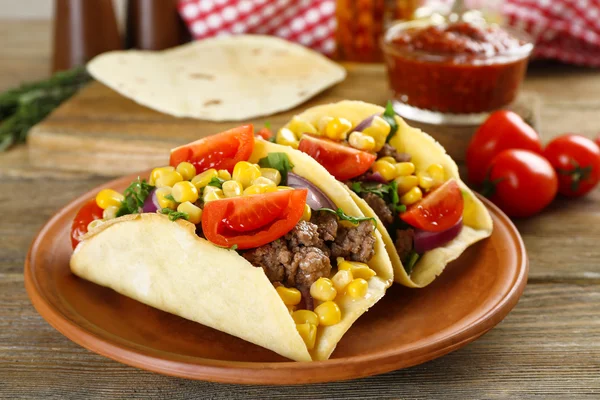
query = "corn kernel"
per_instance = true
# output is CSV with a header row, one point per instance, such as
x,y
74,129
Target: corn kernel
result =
x,y
386,170
341,279
425,181
378,130
168,179
290,296
405,168
163,202
256,189
261,180
110,212
358,269
186,170
389,159
211,195
184,191
300,127
322,289
329,313
357,288
203,179
338,128
437,173
291,309
94,224
224,174
287,138
405,183
305,317
108,197
272,174
193,212
307,213
210,189
232,189
245,172
158,172
361,142
412,196
323,124
308,332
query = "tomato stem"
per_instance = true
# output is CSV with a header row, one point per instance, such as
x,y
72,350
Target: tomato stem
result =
x,y
578,174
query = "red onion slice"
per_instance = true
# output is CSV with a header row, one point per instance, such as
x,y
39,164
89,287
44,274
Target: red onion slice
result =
x,y
316,198
425,241
151,204
364,124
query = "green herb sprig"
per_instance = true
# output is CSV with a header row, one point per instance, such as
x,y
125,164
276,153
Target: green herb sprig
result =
x,y
280,161
411,261
174,215
216,182
389,117
345,217
387,191
135,196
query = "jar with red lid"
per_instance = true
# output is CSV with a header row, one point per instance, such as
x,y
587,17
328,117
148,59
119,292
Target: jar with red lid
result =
x,y
443,72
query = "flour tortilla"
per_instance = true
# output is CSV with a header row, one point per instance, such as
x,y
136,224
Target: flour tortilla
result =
x,y
425,150
231,78
166,265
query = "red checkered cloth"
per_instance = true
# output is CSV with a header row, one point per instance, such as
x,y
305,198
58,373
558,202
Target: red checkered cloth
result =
x,y
311,23
566,30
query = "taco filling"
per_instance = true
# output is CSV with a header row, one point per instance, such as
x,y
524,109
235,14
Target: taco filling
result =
x,y
311,250
420,207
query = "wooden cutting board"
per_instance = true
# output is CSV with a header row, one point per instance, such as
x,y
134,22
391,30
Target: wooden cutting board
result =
x,y
99,131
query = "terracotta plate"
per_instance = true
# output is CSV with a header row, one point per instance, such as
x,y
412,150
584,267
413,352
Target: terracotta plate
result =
x,y
405,328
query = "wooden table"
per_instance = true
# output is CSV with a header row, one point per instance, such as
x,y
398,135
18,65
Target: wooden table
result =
x,y
548,347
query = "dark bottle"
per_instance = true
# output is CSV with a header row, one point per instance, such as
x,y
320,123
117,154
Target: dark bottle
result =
x,y
154,25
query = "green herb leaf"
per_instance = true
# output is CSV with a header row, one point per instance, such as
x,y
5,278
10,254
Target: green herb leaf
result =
x,y
389,117
267,125
135,196
170,197
174,215
234,247
216,182
411,261
345,217
279,161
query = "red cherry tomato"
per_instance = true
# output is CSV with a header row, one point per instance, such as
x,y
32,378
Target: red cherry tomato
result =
x,y
86,214
343,162
265,133
501,131
252,221
522,183
220,151
437,211
576,160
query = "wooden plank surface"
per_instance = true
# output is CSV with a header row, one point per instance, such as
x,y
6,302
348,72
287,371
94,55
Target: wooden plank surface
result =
x,y
548,347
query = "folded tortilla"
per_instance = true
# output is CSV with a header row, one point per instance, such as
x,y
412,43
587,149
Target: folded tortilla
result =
x,y
425,150
166,265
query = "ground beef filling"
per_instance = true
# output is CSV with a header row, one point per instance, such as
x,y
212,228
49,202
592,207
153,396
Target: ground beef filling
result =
x,y
304,254
404,242
389,151
380,207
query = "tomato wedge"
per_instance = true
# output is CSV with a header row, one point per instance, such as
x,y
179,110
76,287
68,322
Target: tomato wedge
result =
x,y
252,221
343,162
439,210
220,151
86,214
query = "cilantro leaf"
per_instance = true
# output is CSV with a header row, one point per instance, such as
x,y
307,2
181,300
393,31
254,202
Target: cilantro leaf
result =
x,y
345,217
268,125
389,117
216,182
174,215
170,197
411,261
135,196
279,161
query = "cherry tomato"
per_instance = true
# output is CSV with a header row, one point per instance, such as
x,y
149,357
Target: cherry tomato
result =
x,y
502,130
265,133
343,162
438,211
220,151
521,183
252,221
86,214
576,160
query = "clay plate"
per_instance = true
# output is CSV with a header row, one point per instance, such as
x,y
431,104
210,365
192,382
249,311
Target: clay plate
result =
x,y
407,327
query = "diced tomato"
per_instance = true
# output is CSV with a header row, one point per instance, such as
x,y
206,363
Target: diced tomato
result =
x,y
252,221
265,133
220,151
437,211
343,162
86,214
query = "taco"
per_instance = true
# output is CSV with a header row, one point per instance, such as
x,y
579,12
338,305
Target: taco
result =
x,y
427,216
241,235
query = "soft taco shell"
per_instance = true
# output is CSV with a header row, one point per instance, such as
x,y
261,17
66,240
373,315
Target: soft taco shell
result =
x,y
425,150
230,78
134,255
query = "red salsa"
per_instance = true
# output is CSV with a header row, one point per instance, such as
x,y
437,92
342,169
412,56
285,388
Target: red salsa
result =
x,y
455,68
